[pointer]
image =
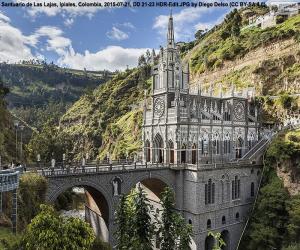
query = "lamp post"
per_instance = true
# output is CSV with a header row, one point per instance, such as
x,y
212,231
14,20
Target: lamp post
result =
x,y
16,123
21,142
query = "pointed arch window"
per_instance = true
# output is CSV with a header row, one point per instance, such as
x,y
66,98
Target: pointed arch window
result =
x,y
209,192
194,154
183,153
204,146
208,224
236,186
171,152
147,150
227,146
223,220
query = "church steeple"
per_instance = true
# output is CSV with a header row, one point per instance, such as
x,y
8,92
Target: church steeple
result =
x,y
170,37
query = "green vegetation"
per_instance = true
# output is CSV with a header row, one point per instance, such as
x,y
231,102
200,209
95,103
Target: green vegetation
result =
x,y
275,222
36,84
227,42
40,92
8,240
7,142
69,200
219,242
98,122
49,231
136,230
31,194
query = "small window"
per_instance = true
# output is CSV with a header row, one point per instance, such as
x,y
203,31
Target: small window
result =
x,y
237,216
223,220
208,224
190,222
252,171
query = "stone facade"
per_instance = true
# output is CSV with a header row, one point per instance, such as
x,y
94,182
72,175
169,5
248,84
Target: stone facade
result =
x,y
203,133
182,127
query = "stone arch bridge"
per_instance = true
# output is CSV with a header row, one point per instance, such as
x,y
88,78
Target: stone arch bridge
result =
x,y
105,183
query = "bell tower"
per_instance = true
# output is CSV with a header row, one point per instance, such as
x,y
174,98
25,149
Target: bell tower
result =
x,y
169,75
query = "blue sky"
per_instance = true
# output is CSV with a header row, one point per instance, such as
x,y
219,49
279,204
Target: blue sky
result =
x,y
95,38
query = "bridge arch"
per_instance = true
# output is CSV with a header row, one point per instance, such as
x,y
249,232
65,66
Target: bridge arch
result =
x,y
153,181
99,209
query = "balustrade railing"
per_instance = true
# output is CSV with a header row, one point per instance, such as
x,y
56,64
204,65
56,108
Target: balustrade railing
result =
x,y
97,169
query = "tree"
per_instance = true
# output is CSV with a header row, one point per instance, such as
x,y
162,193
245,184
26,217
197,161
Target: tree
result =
x,y
174,232
219,242
134,222
144,230
123,232
148,57
199,34
142,61
49,231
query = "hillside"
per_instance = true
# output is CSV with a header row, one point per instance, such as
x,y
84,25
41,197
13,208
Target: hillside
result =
x,y
39,90
275,221
267,60
7,142
101,121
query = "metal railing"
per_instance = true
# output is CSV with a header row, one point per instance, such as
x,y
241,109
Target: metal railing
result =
x,y
9,179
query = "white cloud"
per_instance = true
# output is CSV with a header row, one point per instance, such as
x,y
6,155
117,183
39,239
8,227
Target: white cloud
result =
x,y
209,25
117,34
55,41
110,58
66,11
128,25
14,45
69,22
203,26
182,21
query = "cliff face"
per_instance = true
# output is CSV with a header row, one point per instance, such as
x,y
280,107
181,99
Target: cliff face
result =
x,y
275,221
106,120
266,60
7,142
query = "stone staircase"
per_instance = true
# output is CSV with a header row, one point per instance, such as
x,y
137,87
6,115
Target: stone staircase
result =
x,y
257,151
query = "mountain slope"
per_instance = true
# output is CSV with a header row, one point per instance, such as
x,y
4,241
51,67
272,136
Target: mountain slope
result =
x,y
275,221
104,119
7,142
267,60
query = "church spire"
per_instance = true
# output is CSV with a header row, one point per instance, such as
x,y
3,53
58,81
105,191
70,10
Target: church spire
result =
x,y
171,32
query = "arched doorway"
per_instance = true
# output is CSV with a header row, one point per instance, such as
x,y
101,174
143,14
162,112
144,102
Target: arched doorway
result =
x,y
209,242
171,152
147,151
183,153
239,147
94,208
158,149
194,154
226,239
